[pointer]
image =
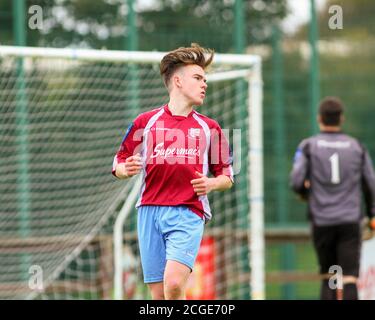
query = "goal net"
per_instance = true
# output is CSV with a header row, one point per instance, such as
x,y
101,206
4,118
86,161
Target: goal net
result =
x,y
63,114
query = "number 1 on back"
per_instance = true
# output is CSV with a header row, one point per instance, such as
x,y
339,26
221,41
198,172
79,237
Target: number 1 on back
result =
x,y
335,169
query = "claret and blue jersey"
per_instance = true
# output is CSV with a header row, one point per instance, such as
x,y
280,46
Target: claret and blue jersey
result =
x,y
173,148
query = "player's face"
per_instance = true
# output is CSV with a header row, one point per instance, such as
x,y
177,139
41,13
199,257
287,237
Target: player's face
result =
x,y
193,84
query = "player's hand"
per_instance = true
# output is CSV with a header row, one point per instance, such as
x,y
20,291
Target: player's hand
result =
x,y
307,184
133,165
202,185
368,229
304,196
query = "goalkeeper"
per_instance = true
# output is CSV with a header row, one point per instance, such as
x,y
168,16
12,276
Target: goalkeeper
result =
x,y
174,148
329,170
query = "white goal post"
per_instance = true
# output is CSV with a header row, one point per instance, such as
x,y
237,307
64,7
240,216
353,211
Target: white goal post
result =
x,y
246,67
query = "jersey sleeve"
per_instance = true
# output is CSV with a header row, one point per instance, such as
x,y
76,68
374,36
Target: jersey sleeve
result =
x,y
368,184
130,145
220,155
300,168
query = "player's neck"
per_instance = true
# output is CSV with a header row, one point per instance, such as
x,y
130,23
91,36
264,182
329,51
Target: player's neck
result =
x,y
179,108
324,128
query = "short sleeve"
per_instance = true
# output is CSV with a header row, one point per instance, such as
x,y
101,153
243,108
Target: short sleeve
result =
x,y
220,154
130,145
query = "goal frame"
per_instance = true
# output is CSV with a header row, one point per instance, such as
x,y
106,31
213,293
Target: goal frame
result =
x,y
251,71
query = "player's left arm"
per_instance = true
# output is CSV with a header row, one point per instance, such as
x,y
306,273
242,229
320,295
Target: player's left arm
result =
x,y
220,165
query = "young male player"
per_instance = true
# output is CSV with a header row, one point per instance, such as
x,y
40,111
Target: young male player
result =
x,y
175,148
331,170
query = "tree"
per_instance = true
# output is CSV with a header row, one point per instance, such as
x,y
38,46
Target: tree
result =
x,y
167,24
211,22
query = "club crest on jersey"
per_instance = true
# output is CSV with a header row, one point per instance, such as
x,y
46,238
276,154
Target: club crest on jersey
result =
x,y
194,133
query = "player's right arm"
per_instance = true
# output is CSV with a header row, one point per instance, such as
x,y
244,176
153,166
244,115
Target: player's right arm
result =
x,y
129,168
127,161
299,175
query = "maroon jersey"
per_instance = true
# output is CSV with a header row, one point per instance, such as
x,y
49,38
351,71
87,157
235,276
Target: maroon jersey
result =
x,y
173,148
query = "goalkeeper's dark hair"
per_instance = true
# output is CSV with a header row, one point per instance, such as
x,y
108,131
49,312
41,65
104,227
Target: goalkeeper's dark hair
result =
x,y
331,110
184,56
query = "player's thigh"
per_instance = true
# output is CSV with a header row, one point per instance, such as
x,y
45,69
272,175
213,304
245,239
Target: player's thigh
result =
x,y
183,230
349,249
324,240
151,245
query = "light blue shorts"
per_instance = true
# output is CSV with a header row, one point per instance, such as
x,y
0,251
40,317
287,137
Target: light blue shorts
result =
x,y
167,233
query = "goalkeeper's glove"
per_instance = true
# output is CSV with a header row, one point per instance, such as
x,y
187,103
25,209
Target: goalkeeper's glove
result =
x,y
368,229
371,224
305,190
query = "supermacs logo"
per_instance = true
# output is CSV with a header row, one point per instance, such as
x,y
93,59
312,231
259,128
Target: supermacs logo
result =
x,y
160,151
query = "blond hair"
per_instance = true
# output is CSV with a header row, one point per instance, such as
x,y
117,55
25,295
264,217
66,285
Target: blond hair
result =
x,y
184,56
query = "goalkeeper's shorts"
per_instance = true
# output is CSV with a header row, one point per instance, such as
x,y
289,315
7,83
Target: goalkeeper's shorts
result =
x,y
338,245
167,233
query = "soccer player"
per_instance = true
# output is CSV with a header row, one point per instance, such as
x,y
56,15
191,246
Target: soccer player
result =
x,y
330,170
174,148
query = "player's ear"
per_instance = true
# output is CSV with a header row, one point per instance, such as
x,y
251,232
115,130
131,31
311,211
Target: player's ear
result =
x,y
177,80
342,119
319,118
178,77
